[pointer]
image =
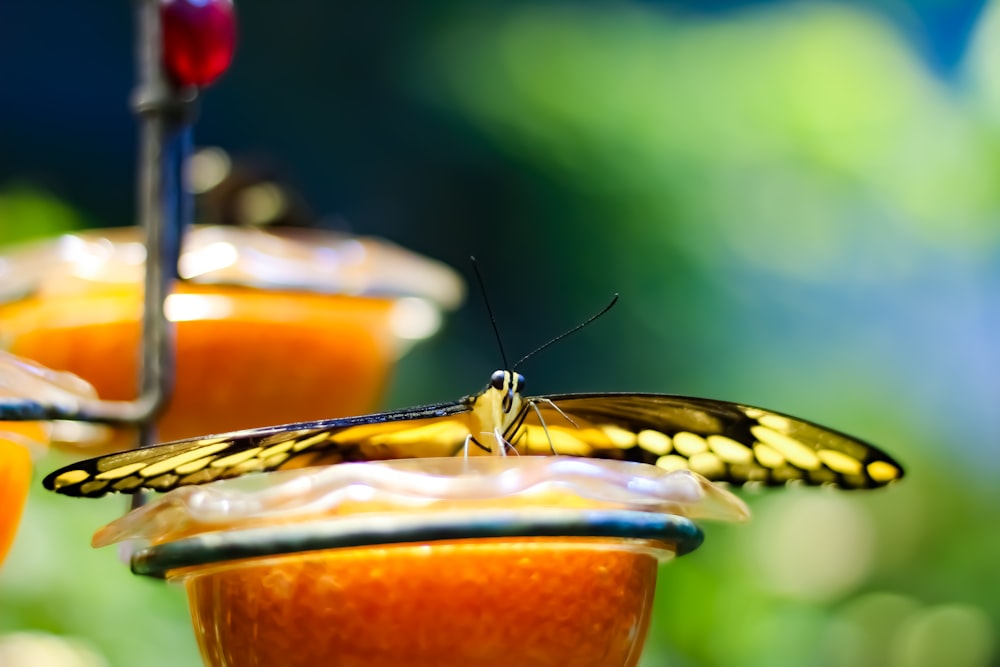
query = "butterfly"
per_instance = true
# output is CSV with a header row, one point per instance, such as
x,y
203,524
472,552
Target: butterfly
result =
x,y
723,441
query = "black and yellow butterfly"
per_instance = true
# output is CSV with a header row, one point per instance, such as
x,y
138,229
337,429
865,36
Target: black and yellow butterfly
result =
x,y
722,441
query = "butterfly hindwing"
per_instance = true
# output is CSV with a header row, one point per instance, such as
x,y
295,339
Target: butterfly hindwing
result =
x,y
720,440
435,430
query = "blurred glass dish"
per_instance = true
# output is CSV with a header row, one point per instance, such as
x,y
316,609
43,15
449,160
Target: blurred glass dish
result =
x,y
529,561
22,378
271,326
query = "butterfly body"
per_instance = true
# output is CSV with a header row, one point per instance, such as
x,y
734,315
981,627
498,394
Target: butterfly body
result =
x,y
723,441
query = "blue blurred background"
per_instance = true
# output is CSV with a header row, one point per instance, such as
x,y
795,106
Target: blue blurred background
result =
x,y
799,203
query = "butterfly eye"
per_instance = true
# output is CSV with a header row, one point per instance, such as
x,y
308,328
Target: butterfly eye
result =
x,y
518,383
498,379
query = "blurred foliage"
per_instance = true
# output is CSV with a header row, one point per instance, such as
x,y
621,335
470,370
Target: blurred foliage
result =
x,y
799,212
27,213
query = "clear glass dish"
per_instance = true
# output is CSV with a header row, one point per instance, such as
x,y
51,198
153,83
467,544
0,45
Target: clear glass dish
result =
x,y
529,561
20,441
263,320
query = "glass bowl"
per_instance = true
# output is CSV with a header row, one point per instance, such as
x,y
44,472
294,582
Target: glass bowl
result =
x,y
271,326
20,440
529,561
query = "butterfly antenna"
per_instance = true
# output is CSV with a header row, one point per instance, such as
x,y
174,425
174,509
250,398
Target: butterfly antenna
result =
x,y
558,338
489,309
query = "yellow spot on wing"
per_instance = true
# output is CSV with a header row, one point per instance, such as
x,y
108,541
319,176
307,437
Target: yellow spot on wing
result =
x,y
707,464
222,439
250,465
565,442
127,484
306,460
167,465
883,472
792,450
620,437
163,481
730,450
70,477
201,476
309,442
672,462
193,466
92,487
284,436
655,442
774,422
689,444
235,459
447,431
283,447
274,460
839,462
121,471
767,457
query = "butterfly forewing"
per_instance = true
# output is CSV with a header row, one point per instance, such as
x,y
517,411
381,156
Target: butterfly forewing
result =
x,y
722,441
437,430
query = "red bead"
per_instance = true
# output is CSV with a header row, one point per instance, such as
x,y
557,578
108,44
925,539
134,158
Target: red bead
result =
x,y
199,37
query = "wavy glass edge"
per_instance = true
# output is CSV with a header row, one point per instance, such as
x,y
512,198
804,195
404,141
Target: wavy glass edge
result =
x,y
313,260
29,382
424,487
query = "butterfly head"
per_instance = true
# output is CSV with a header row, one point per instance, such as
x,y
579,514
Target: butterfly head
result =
x,y
509,384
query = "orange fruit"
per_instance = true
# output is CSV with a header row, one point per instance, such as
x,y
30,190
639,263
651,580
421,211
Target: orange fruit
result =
x,y
245,357
15,476
554,602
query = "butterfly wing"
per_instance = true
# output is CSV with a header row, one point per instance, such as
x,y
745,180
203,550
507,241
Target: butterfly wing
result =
x,y
434,430
722,441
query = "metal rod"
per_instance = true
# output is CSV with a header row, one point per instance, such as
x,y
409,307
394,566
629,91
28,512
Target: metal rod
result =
x,y
164,112
101,412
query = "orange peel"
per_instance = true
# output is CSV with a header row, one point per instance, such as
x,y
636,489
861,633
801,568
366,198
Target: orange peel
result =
x,y
531,603
15,476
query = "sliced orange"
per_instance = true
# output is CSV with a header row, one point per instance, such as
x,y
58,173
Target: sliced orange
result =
x,y
15,476
530,603
245,357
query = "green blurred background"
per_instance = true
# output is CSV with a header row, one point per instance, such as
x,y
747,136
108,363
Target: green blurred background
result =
x,y
798,202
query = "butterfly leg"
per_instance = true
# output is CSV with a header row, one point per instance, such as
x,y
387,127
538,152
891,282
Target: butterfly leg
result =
x,y
545,429
501,443
505,444
471,439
